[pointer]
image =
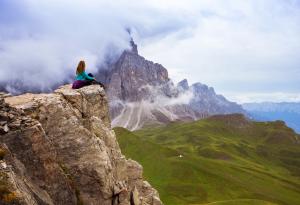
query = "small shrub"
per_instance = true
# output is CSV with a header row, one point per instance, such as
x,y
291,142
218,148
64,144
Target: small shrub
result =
x,y
2,153
11,197
6,195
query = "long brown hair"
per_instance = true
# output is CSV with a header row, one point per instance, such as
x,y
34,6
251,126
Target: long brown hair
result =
x,y
80,67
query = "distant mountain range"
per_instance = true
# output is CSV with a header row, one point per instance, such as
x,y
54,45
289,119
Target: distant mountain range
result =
x,y
269,111
141,94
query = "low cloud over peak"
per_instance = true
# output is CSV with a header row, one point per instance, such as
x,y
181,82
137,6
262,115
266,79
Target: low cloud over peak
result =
x,y
41,43
228,44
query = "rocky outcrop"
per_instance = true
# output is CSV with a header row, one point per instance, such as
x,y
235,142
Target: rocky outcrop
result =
x,y
60,149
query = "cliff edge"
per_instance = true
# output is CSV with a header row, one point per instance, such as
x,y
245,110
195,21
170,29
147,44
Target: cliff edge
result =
x,y
59,149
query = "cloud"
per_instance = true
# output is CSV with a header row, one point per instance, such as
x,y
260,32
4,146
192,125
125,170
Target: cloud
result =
x,y
134,115
42,41
160,95
249,97
236,46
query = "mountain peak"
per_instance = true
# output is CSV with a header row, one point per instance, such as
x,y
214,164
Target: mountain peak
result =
x,y
141,94
133,45
183,84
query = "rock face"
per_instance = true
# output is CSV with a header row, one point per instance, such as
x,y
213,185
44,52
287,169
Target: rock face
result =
x,y
60,149
132,77
141,94
205,100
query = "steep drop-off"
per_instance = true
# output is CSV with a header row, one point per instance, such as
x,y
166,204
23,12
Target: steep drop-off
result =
x,y
59,149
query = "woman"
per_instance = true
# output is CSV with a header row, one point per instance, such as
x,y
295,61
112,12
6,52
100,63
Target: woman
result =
x,y
83,79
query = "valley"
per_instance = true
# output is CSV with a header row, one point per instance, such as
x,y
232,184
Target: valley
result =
x,y
224,159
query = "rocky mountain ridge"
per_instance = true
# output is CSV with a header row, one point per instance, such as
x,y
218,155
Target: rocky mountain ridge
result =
x,y
142,94
58,148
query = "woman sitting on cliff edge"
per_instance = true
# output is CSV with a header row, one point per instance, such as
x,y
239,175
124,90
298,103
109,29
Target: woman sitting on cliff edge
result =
x,y
83,79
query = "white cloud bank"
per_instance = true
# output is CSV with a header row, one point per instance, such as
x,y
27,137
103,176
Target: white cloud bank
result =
x,y
263,97
239,47
41,42
236,46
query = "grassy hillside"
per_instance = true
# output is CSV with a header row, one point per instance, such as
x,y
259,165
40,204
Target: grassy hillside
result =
x,y
223,160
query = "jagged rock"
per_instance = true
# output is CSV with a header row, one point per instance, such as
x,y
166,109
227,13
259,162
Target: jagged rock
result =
x,y
134,48
62,150
131,76
206,101
5,128
135,200
141,93
183,85
135,84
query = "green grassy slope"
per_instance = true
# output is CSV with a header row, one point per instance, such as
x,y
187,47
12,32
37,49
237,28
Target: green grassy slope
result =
x,y
223,160
240,202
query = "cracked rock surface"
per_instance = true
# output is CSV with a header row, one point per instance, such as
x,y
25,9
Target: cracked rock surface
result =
x,y
60,149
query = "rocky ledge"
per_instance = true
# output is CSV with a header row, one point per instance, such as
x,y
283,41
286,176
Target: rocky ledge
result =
x,y
59,149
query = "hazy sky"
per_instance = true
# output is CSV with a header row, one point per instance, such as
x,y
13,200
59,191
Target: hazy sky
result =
x,y
248,50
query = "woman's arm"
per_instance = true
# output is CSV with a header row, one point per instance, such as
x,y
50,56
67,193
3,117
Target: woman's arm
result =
x,y
86,76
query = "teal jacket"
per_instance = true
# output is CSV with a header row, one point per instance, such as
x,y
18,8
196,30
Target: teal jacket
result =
x,y
83,76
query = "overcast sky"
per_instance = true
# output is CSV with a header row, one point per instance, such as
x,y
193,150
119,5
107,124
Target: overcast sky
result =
x,y
248,50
